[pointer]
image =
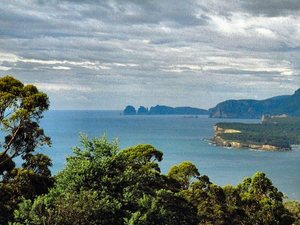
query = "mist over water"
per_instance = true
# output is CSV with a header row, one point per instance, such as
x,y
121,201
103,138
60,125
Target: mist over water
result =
x,y
180,138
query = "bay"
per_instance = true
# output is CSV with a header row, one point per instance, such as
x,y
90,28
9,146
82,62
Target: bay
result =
x,y
180,138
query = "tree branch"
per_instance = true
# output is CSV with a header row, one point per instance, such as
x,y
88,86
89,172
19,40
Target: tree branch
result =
x,y
10,142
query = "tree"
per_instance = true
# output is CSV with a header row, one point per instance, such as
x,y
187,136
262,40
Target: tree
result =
x,y
165,208
209,199
262,202
294,208
68,208
103,185
184,173
21,108
254,201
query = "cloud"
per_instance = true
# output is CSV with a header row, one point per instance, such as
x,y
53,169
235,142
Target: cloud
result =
x,y
57,87
4,68
272,7
61,68
110,53
10,58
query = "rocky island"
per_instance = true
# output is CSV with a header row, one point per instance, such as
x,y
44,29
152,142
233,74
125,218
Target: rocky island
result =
x,y
164,110
272,134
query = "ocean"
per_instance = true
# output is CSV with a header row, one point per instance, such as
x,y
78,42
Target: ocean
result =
x,y
181,138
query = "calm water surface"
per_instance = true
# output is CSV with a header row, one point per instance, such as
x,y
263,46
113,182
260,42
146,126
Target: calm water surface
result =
x,y
180,138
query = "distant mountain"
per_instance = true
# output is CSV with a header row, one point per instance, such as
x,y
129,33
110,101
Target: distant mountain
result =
x,y
165,110
253,109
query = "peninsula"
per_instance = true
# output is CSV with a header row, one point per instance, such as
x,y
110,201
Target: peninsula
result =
x,y
255,109
164,110
272,134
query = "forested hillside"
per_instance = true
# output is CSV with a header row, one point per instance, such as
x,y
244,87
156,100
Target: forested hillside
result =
x,y
253,109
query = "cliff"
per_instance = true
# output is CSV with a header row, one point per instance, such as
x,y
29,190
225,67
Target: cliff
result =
x,y
185,110
274,133
165,110
253,109
218,140
129,110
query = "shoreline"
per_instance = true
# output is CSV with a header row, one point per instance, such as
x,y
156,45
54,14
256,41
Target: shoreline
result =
x,y
218,141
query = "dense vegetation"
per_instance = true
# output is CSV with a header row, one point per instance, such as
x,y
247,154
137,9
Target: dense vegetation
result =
x,y
21,108
294,208
104,185
280,132
249,108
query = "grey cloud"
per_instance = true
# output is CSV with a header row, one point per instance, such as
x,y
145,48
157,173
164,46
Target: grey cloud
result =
x,y
148,52
132,12
272,7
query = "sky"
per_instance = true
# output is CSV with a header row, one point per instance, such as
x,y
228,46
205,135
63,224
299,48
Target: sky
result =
x,y
106,54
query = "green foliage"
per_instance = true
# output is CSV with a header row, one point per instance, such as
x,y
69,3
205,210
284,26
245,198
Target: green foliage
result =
x,y
108,183
90,167
165,208
21,108
184,173
209,199
294,208
25,182
83,207
251,109
262,202
103,185
254,201
280,132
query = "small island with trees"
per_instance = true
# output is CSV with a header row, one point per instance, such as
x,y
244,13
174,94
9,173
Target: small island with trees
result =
x,y
273,133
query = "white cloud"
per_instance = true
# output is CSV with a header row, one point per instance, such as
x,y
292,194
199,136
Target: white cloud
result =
x,y
216,64
4,57
4,68
266,33
61,68
8,57
56,87
120,51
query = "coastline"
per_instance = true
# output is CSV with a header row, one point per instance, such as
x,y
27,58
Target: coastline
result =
x,y
219,141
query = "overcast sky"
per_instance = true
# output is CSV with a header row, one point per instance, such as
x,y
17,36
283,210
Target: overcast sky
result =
x,y
106,54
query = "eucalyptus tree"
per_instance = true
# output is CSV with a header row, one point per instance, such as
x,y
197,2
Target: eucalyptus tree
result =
x,y
21,108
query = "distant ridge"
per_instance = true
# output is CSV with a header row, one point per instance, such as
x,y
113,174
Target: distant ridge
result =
x,y
164,110
253,109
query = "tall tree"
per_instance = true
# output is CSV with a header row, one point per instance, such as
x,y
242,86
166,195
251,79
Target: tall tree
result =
x,y
21,108
184,173
263,202
103,185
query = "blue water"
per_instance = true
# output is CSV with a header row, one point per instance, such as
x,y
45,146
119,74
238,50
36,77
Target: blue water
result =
x,y
180,138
